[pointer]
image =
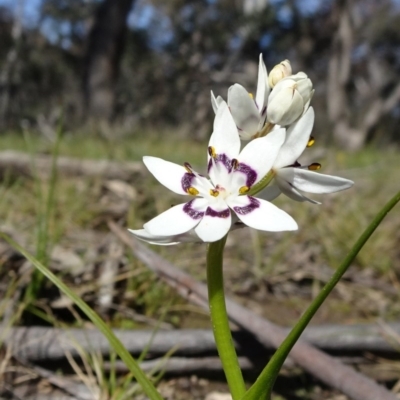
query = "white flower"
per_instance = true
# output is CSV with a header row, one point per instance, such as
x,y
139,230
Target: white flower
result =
x,y
290,177
248,113
232,175
289,99
280,71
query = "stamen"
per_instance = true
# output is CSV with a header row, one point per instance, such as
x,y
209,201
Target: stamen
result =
x,y
188,167
235,163
212,152
214,192
193,191
314,167
244,189
311,141
251,95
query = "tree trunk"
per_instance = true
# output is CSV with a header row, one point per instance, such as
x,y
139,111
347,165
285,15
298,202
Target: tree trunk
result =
x,y
103,54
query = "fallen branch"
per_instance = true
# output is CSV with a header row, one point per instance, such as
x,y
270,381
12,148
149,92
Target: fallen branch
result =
x,y
17,163
211,365
46,343
312,360
183,365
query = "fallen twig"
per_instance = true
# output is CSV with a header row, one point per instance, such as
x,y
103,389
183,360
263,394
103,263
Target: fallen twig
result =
x,y
18,163
387,371
45,343
327,369
78,390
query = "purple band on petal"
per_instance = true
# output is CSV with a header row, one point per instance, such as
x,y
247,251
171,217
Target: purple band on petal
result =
x,y
219,214
187,180
253,204
193,213
221,158
251,175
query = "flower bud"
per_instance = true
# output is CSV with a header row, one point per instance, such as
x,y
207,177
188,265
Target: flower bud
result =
x,y
289,99
280,71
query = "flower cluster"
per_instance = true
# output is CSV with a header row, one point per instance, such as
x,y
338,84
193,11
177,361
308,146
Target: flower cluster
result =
x,y
278,122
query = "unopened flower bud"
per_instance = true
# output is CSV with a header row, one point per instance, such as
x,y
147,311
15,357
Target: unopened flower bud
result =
x,y
280,71
289,99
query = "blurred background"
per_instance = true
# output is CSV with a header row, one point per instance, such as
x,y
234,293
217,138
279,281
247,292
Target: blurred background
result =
x,y
129,78
136,63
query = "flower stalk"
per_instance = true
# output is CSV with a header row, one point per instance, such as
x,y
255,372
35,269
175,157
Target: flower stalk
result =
x,y
220,321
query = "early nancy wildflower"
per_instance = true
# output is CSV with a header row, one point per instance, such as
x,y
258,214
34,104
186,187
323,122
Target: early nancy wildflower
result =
x,y
217,201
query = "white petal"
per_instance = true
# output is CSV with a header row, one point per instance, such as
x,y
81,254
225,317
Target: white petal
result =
x,y
314,182
220,172
215,223
285,107
244,110
305,87
260,154
216,101
297,77
297,137
261,214
225,138
142,234
262,86
282,86
167,173
178,219
291,192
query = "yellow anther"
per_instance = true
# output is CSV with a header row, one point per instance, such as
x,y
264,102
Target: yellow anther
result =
x,y
214,192
244,189
193,191
311,141
251,95
314,167
212,152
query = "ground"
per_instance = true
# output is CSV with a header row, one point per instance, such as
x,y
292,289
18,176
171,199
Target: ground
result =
x,y
63,221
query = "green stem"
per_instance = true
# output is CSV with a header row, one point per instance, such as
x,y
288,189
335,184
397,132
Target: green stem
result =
x,y
220,322
262,388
